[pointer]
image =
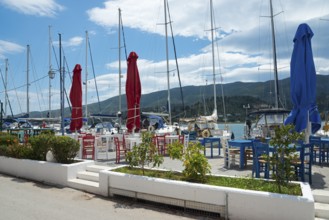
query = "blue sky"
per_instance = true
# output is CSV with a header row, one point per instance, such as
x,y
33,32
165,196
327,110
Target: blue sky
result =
x,y
243,39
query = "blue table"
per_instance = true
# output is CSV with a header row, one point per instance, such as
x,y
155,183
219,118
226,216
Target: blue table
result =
x,y
210,140
242,144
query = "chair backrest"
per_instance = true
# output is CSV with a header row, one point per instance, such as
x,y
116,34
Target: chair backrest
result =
x,y
260,149
231,144
116,142
224,143
306,152
121,141
161,139
181,139
316,141
154,140
88,141
186,140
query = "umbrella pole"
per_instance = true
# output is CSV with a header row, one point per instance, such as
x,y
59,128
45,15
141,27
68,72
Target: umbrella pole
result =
x,y
76,138
134,119
308,129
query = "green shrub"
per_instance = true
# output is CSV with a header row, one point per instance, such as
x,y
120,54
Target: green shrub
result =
x,y
40,145
3,150
8,139
145,153
176,150
284,154
195,163
48,132
19,151
64,149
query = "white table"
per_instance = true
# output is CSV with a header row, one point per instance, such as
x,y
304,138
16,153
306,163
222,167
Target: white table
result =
x,y
109,140
171,138
133,141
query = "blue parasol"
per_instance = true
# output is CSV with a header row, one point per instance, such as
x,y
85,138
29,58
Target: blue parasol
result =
x,y
303,83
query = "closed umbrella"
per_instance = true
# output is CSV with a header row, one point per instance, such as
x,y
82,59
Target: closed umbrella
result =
x,y
76,99
133,94
303,83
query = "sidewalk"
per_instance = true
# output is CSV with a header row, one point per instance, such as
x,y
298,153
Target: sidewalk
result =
x,y
320,173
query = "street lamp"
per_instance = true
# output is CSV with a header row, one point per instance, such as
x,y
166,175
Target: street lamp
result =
x,y
246,107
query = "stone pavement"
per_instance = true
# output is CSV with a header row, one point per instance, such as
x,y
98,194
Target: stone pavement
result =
x,y
320,173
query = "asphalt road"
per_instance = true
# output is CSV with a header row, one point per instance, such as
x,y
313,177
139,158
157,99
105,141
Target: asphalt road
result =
x,y
24,200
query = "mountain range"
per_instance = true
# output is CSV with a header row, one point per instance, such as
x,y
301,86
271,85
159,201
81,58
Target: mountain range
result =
x,y
199,99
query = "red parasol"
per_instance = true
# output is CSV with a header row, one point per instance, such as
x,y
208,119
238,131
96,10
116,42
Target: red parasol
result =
x,y
76,99
133,93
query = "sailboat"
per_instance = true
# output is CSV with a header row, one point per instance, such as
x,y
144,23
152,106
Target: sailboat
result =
x,y
206,126
157,119
270,118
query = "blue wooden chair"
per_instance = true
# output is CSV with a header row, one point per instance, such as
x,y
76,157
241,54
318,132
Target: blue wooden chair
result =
x,y
304,165
260,162
324,152
318,151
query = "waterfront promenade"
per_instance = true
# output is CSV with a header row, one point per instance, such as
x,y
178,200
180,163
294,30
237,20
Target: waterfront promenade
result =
x,y
22,199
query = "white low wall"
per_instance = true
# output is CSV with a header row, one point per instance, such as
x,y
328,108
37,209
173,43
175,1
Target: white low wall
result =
x,y
235,203
242,204
53,173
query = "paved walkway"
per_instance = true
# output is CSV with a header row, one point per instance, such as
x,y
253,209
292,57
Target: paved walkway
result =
x,y
320,173
27,200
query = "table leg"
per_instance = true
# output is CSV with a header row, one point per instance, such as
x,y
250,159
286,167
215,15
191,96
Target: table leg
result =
x,y
242,153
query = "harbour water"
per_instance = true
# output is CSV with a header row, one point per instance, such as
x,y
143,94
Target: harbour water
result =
x,y
236,128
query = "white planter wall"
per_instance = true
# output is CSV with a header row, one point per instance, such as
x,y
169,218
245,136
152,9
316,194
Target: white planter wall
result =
x,y
242,204
54,173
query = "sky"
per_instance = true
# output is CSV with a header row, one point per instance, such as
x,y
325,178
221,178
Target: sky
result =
x,y
242,34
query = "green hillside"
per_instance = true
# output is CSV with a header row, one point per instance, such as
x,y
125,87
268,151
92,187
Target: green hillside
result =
x,y
199,99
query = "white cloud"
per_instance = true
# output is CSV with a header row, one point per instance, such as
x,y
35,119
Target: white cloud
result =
x,y
72,42
9,47
43,8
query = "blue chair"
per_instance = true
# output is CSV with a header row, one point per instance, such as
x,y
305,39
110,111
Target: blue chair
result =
x,y
304,165
324,152
318,151
253,156
260,162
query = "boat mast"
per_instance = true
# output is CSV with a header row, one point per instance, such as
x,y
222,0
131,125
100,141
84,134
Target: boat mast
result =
x,y
119,43
276,80
50,73
86,81
6,91
62,83
213,55
167,58
27,80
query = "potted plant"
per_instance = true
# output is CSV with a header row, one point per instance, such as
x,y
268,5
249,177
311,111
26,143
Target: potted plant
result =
x,y
28,160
